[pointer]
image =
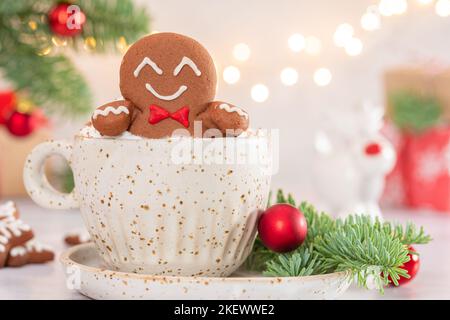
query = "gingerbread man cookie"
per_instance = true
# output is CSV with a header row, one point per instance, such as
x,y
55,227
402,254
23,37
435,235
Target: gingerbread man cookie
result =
x,y
168,82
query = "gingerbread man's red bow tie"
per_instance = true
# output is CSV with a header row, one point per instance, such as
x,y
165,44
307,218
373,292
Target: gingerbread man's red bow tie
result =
x,y
158,114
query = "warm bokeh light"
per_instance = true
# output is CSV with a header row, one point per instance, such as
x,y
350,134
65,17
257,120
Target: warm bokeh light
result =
x,y
231,74
289,76
385,8
322,77
313,46
241,52
296,42
443,8
344,32
259,93
370,21
390,7
425,2
354,47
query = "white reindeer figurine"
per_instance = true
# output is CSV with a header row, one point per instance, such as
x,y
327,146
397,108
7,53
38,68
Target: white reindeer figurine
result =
x,y
351,161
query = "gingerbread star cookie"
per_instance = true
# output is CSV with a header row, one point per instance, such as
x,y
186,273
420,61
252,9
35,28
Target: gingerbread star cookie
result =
x,y
168,82
13,232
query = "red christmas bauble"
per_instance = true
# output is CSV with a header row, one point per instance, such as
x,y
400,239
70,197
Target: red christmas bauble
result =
x,y
66,19
20,124
7,105
282,228
412,266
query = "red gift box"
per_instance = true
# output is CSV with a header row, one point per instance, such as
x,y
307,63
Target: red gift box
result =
x,y
421,177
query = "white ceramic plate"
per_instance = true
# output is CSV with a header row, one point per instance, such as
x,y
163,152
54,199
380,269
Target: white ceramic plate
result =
x,y
86,273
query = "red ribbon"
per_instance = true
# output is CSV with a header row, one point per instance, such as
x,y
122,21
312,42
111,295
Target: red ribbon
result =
x,y
158,114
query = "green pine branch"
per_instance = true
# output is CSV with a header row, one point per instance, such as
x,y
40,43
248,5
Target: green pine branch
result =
x,y
108,20
51,81
366,248
300,263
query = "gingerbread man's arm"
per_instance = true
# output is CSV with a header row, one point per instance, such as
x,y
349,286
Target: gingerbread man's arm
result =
x,y
229,119
113,118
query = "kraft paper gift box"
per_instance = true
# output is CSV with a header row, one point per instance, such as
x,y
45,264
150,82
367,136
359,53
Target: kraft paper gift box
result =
x,y
13,152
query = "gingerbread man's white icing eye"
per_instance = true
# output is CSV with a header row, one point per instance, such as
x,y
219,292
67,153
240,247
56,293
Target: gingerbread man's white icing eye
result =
x,y
147,62
187,62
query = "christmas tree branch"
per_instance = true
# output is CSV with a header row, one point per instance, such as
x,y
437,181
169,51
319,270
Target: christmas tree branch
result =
x,y
28,59
51,81
109,20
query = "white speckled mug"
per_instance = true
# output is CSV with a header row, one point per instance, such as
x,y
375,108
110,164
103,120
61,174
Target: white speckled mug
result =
x,y
150,213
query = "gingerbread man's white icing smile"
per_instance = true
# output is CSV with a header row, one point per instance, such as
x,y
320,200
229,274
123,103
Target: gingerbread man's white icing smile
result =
x,y
184,62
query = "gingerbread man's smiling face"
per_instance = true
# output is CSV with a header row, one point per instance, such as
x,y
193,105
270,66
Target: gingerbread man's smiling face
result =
x,y
170,71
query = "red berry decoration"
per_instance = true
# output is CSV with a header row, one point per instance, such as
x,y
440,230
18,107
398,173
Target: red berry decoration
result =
x,y
65,20
412,267
20,124
282,228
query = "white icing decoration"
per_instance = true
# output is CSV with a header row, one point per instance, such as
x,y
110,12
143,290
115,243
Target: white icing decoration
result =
x,y
3,242
33,245
186,61
230,109
180,91
109,109
7,209
147,61
10,227
18,251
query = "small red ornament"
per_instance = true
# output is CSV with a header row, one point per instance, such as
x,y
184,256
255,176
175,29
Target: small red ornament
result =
x,y
372,149
282,228
412,267
20,124
7,105
66,19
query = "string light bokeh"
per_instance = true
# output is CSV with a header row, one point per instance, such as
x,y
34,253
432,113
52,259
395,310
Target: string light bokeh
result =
x,y
344,37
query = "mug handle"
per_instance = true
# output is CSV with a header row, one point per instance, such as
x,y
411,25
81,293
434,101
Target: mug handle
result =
x,y
36,182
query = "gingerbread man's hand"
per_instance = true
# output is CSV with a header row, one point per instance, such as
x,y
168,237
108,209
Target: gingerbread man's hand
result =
x,y
229,119
113,118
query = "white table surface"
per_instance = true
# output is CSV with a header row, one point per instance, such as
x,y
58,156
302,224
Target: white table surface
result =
x,y
48,281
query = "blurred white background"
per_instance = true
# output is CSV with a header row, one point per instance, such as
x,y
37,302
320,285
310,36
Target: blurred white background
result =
x,y
265,25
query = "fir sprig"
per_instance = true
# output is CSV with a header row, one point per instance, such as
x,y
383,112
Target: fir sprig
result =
x,y
360,245
302,262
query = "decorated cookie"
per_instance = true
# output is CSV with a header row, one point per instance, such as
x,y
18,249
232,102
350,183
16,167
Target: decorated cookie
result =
x,y
4,250
229,119
13,232
168,81
112,118
75,238
31,252
8,209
